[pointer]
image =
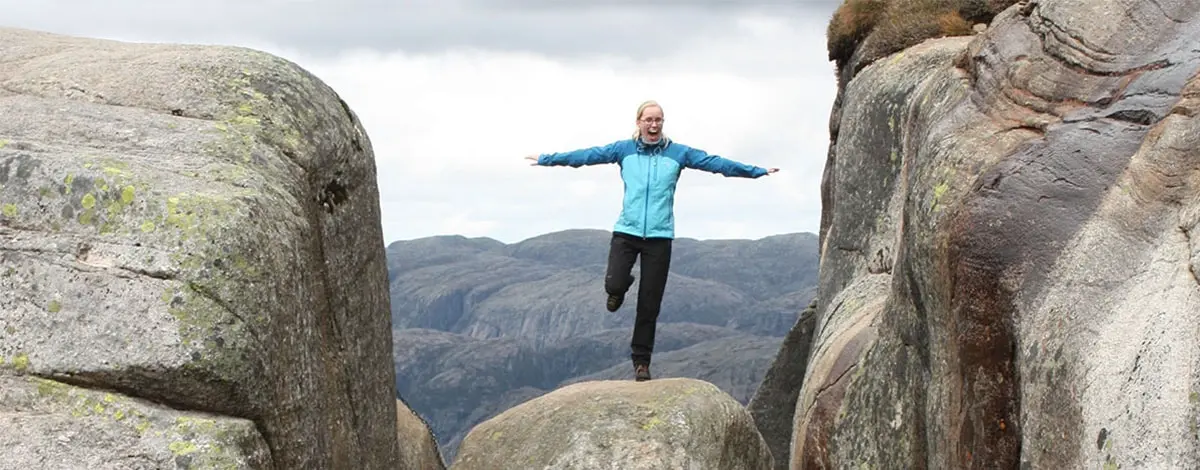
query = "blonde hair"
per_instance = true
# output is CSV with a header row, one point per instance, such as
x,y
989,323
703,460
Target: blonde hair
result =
x,y
637,132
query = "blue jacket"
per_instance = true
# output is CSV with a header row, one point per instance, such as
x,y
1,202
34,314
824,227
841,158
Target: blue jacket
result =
x,y
650,172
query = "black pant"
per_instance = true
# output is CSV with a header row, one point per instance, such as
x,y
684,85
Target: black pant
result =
x,y
656,262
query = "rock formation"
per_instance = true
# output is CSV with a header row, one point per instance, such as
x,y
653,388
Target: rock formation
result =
x,y
774,402
1010,276
416,438
625,425
193,265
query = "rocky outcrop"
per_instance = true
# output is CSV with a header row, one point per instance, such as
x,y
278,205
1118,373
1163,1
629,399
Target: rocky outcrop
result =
x,y
419,449
660,424
774,402
195,230
1009,273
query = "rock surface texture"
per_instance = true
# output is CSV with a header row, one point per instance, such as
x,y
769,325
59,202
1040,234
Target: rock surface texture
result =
x,y
1010,272
195,231
676,424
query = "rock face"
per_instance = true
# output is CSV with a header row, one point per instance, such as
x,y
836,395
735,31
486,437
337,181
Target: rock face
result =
x,y
660,424
195,228
1010,272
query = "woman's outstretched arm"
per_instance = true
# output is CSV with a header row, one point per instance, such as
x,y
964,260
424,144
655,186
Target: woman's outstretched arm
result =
x,y
701,160
610,153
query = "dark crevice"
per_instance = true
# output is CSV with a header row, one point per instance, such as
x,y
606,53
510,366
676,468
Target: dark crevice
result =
x,y
1136,116
119,382
827,386
333,193
108,381
151,273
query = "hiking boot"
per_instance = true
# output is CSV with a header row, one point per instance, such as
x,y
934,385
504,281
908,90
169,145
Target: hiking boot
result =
x,y
615,301
641,372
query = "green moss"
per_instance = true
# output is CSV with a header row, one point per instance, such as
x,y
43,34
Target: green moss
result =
x,y
244,124
79,402
182,447
147,226
54,306
88,201
10,210
127,194
3,143
651,423
21,362
938,192
114,167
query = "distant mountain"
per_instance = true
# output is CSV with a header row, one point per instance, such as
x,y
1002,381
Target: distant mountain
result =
x,y
481,325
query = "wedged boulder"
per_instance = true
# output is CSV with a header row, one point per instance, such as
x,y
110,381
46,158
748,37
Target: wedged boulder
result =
x,y
774,402
196,226
48,424
1009,274
418,448
660,424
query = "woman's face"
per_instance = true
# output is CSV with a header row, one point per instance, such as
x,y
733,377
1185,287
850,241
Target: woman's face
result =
x,y
651,122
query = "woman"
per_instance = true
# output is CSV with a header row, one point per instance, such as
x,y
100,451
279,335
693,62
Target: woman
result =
x,y
650,167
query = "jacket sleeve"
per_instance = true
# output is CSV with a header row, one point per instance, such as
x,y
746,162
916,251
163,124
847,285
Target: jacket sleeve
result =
x,y
701,160
610,153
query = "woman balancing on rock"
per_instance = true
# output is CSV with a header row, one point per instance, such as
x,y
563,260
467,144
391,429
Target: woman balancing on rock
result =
x,y
650,165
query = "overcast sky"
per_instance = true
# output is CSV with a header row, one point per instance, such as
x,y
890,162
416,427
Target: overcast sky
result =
x,y
453,94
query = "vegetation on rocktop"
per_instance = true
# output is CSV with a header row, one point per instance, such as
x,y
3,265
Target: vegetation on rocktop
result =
x,y
882,27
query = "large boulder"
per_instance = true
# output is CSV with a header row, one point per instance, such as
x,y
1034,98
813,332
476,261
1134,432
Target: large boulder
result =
x,y
195,227
620,424
1009,272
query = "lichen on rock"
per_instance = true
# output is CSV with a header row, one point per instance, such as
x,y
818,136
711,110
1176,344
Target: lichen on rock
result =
x,y
44,423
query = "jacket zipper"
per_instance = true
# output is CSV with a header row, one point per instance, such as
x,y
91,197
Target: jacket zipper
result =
x,y
646,211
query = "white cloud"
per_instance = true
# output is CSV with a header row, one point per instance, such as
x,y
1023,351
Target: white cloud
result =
x,y
450,129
